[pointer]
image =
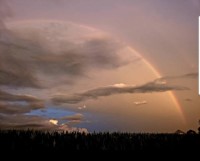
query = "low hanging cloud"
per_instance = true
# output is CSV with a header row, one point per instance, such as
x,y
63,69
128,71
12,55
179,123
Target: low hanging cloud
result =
x,y
18,108
24,122
53,121
36,123
16,104
154,86
5,96
76,118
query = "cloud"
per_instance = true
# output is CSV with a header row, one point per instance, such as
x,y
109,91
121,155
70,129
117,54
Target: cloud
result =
x,y
15,104
4,13
154,86
24,122
67,128
75,117
99,53
34,60
188,99
5,96
140,102
82,107
53,121
15,68
193,75
17,108
35,122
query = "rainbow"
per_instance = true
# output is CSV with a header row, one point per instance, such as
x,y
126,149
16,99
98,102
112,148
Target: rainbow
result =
x,y
150,66
158,75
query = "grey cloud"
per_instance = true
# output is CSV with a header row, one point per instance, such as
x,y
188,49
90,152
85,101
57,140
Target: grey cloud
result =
x,y
95,53
5,96
51,64
16,108
28,63
25,122
7,108
154,86
75,117
34,122
193,75
15,104
190,75
15,69
188,99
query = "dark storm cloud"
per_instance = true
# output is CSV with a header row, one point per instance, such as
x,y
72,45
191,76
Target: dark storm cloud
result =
x,y
154,86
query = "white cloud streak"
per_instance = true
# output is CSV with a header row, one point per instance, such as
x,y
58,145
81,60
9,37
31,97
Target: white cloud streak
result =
x,y
140,102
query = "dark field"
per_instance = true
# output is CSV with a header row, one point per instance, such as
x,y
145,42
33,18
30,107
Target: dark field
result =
x,y
55,141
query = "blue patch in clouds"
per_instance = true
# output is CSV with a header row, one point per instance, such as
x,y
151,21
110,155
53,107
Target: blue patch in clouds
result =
x,y
51,112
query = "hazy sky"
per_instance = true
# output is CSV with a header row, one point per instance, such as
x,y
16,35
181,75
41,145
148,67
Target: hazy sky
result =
x,y
109,65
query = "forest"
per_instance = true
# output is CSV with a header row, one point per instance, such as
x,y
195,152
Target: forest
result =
x,y
31,140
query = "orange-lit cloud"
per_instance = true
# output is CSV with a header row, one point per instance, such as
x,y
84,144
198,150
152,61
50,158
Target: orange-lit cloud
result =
x,y
140,102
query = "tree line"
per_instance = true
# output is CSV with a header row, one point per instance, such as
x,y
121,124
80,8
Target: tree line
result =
x,y
30,140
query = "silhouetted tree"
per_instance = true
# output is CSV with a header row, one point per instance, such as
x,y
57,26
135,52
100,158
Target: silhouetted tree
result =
x,y
191,132
199,127
179,132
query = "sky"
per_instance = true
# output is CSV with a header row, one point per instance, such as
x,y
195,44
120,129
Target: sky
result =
x,y
109,65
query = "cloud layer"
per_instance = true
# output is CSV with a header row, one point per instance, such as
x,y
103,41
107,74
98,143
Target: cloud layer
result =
x,y
34,122
30,61
37,62
15,104
43,55
154,86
